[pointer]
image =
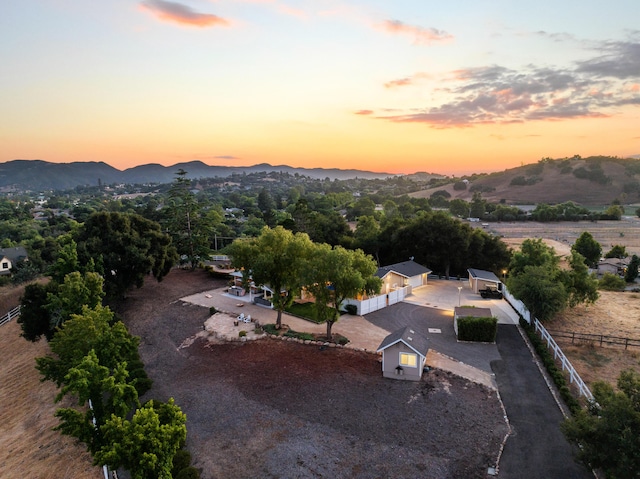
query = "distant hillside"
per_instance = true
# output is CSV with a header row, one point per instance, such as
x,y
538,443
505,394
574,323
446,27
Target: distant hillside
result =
x,y
39,175
592,181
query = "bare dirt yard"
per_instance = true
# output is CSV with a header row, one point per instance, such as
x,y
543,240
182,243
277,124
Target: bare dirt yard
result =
x,y
614,314
277,409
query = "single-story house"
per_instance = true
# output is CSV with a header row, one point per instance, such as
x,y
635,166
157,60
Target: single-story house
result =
x,y
407,273
469,312
9,258
481,279
613,265
404,353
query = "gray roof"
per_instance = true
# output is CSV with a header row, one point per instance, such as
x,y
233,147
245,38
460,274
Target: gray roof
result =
x,y
482,274
14,254
406,269
408,336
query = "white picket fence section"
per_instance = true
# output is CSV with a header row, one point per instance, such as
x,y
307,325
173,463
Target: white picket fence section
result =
x,y
381,301
14,313
574,377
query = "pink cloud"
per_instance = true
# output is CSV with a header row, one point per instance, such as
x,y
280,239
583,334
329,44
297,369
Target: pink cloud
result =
x,y
364,112
421,35
182,14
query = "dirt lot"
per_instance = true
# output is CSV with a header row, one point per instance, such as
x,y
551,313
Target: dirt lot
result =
x,y
277,409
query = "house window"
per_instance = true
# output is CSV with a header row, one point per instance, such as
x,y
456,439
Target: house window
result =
x,y
5,265
409,359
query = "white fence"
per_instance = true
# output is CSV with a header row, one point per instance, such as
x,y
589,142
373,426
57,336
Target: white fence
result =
x,y
574,377
378,302
14,313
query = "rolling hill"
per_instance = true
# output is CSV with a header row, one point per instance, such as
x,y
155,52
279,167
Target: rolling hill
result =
x,y
592,181
39,175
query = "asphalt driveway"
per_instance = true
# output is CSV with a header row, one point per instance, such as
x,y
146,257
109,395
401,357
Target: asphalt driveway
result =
x,y
536,448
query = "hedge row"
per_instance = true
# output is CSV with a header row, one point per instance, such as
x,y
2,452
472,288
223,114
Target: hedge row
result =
x,y
483,330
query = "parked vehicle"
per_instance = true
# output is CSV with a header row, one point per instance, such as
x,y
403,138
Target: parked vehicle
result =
x,y
491,293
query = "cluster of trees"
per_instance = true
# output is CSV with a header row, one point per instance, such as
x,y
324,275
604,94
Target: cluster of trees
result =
x,y
94,358
608,430
535,278
286,261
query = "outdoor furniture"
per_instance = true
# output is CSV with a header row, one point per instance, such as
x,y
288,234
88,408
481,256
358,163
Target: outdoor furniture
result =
x,y
247,318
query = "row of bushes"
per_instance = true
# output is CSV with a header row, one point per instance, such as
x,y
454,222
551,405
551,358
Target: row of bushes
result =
x,y
549,363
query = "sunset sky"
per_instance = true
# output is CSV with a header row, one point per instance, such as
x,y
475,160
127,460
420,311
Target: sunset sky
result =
x,y
395,86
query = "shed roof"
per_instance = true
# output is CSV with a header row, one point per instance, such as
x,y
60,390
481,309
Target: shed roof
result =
x,y
406,268
482,274
408,336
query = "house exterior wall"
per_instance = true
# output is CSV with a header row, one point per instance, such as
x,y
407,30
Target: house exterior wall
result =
x,y
391,360
5,265
391,281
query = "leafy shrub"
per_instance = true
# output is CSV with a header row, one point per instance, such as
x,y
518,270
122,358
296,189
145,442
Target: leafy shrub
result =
x,y
342,340
188,473
518,181
212,310
459,185
351,309
5,280
270,329
242,333
611,282
477,329
304,336
181,460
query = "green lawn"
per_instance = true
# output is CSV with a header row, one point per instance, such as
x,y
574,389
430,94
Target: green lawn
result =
x,y
305,310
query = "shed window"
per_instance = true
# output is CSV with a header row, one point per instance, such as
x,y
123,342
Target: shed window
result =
x,y
5,265
409,359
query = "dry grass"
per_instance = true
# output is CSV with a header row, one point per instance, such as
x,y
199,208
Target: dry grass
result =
x,y
614,314
28,445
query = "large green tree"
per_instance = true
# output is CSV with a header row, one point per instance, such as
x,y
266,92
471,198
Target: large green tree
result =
x,y
75,292
632,269
126,248
608,431
588,247
335,274
35,319
94,329
102,393
191,225
277,259
581,285
539,288
146,444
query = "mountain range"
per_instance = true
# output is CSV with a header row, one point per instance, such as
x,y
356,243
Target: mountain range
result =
x,y
39,175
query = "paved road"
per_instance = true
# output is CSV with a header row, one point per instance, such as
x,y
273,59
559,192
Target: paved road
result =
x,y
536,447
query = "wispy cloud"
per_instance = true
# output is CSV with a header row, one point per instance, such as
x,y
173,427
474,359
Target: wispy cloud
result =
x,y
407,81
494,94
421,35
226,157
364,112
182,14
